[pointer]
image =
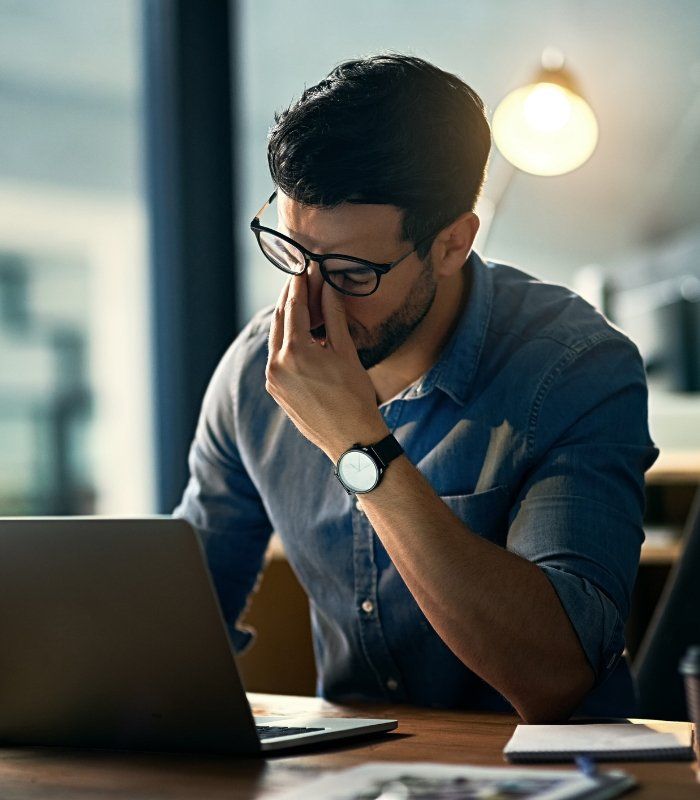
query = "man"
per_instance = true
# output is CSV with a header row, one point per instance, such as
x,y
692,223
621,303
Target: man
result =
x,y
478,545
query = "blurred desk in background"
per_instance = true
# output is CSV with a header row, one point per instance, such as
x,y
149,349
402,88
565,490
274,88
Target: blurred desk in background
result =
x,y
673,491
660,549
672,483
675,466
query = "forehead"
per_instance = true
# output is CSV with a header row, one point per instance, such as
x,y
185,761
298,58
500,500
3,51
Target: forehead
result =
x,y
349,225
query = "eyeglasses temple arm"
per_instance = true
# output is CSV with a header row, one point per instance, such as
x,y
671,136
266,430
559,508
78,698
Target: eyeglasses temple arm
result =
x,y
265,205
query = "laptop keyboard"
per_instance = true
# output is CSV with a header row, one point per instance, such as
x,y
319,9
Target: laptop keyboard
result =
x,y
268,731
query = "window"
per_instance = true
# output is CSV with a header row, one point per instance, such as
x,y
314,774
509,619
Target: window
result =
x,y
75,371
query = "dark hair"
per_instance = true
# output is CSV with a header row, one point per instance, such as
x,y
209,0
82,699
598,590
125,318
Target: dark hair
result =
x,y
385,129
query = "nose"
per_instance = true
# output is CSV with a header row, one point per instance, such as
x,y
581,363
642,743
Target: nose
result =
x,y
315,285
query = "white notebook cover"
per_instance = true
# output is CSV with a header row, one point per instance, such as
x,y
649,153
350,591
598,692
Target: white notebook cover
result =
x,y
632,740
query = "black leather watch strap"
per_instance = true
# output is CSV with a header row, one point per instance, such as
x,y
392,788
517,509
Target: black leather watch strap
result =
x,y
386,450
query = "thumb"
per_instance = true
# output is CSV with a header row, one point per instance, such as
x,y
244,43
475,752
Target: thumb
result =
x,y
334,318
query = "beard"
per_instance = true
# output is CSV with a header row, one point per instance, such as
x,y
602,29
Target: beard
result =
x,y
376,345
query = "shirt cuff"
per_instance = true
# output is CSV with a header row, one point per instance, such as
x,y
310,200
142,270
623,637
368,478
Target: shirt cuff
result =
x,y
242,638
594,618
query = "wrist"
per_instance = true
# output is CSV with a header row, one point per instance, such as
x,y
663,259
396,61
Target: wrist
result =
x,y
365,433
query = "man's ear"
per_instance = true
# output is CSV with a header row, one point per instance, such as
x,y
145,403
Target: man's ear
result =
x,y
453,244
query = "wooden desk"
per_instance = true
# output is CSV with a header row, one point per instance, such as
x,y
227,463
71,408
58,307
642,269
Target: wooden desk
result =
x,y
666,554
675,466
449,737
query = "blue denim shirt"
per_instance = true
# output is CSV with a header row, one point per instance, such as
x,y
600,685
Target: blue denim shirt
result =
x,y
531,427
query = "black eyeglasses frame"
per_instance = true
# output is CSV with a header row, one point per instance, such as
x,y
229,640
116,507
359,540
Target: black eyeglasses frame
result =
x,y
379,269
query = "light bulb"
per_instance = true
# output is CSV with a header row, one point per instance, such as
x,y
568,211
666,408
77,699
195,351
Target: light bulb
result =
x,y
547,108
545,129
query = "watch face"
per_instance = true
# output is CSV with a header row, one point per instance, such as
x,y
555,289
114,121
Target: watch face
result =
x,y
358,471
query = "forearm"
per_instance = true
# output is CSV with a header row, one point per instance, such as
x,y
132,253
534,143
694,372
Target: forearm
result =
x,y
495,610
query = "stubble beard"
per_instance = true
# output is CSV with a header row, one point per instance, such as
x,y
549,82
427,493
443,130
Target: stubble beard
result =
x,y
375,346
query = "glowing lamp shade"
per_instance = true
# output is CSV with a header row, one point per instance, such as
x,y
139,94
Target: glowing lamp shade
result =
x,y
545,129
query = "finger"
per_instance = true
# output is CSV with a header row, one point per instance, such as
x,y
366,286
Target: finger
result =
x,y
296,310
277,325
335,319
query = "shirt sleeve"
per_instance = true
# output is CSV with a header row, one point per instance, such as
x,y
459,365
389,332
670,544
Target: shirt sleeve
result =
x,y
222,503
578,515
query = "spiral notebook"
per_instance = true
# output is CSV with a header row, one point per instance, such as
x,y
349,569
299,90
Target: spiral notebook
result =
x,y
633,740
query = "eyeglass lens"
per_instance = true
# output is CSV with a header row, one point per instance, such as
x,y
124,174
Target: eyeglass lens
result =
x,y
282,254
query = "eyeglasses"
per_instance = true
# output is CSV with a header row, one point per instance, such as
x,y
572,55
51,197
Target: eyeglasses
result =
x,y
352,276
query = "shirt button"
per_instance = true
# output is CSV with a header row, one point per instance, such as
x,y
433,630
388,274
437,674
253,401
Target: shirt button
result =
x,y
359,507
392,684
368,606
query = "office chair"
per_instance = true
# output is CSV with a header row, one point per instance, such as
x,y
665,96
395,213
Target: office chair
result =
x,y
674,626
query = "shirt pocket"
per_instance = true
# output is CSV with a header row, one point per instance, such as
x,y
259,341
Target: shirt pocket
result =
x,y
484,513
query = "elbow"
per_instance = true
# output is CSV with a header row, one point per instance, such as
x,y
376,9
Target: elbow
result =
x,y
555,703
545,715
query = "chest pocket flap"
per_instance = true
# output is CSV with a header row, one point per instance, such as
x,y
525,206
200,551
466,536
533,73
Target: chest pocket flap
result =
x,y
484,513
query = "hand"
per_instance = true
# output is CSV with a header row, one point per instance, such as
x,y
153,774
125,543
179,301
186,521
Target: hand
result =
x,y
321,386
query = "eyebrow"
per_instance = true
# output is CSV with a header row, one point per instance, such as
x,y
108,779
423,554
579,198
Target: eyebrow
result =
x,y
295,235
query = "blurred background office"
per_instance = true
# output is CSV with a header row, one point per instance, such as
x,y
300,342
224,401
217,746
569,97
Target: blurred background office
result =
x,y
133,155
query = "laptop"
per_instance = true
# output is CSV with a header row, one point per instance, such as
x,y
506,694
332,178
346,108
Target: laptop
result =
x,y
112,637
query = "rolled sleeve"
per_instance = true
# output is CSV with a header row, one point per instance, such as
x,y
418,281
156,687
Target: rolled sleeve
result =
x,y
222,506
222,503
563,537
579,513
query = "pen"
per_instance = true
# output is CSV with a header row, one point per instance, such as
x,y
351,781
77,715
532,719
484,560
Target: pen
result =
x,y
587,765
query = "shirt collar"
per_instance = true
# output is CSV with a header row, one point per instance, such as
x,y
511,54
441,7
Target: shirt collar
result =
x,y
454,371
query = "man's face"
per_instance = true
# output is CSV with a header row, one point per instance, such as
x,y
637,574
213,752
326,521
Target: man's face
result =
x,y
380,323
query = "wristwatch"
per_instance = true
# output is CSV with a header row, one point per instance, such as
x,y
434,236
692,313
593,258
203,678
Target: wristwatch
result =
x,y
360,468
